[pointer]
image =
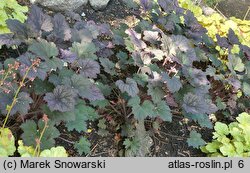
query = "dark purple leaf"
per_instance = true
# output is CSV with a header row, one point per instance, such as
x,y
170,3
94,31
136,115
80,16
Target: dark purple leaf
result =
x,y
234,82
94,93
198,105
168,5
130,86
245,49
195,76
222,41
38,21
81,35
8,40
62,99
93,28
105,29
67,55
61,29
146,5
21,106
232,37
45,50
171,101
136,39
19,29
83,87
89,68
26,61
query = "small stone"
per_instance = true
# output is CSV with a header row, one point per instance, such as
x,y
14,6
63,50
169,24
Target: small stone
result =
x,y
83,14
60,5
99,4
208,11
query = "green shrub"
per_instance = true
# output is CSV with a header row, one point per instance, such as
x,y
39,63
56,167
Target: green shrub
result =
x,y
216,24
10,9
231,140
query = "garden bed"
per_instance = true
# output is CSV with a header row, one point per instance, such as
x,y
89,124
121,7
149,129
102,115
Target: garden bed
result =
x,y
141,82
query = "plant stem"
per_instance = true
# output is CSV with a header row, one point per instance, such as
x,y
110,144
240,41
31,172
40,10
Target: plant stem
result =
x,y
9,108
4,78
70,142
246,13
115,109
38,147
124,107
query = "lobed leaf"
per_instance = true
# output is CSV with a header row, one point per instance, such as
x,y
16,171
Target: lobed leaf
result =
x,y
62,99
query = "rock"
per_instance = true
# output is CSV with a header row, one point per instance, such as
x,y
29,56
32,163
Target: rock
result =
x,y
208,11
99,4
60,5
83,14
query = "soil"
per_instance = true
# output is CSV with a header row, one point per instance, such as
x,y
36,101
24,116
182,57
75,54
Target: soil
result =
x,y
237,8
168,141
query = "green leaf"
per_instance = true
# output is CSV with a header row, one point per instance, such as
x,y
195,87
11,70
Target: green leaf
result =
x,y
56,117
174,84
202,119
195,140
83,114
130,86
239,147
141,79
28,151
42,87
244,119
139,145
246,88
108,65
54,152
141,111
25,151
83,146
235,63
54,63
132,145
101,124
163,111
31,132
215,61
100,103
247,65
7,143
84,87
221,128
44,49
213,146
85,50
156,93
236,132
228,150
220,104
23,103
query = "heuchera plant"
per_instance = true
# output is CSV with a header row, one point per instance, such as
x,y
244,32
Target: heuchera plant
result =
x,y
215,23
165,65
10,9
231,140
